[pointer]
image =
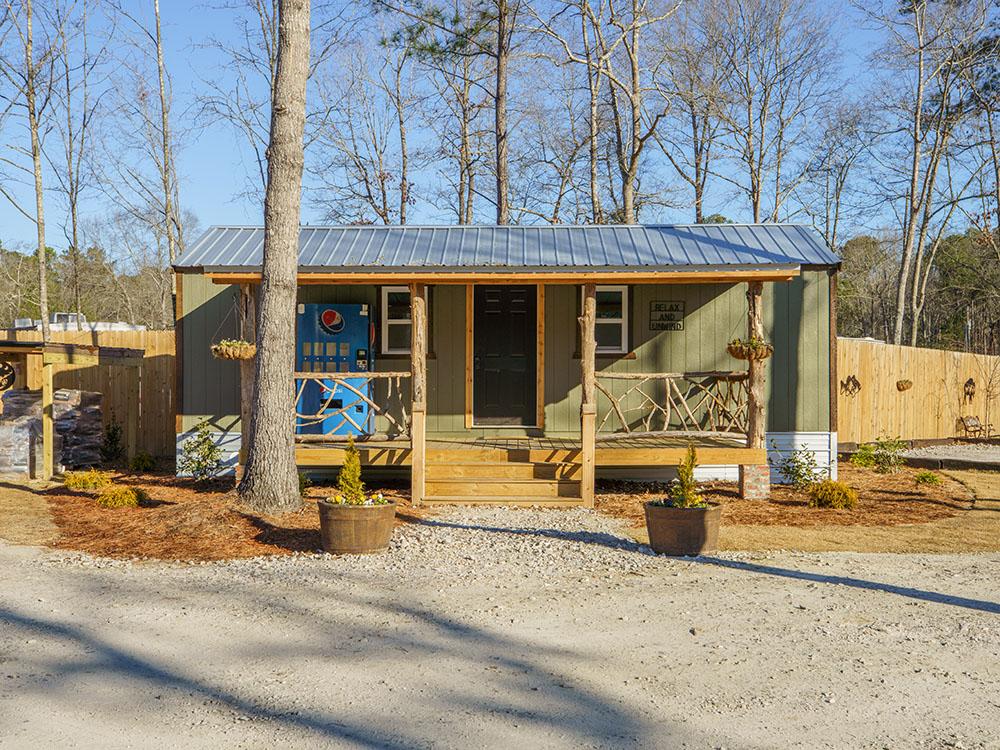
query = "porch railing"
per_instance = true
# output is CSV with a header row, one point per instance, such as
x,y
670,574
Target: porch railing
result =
x,y
388,400
655,402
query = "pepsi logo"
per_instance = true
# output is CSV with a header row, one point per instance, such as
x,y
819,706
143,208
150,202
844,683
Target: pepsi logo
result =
x,y
331,321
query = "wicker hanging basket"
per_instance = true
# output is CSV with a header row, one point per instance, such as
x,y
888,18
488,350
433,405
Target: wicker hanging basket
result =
x,y
234,349
754,349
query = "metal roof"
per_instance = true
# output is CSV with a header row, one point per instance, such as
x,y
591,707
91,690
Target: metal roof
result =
x,y
696,246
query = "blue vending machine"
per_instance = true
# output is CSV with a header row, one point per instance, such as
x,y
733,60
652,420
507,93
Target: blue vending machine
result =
x,y
333,338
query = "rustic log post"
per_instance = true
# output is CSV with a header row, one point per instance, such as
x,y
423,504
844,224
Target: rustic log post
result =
x,y
418,384
588,406
48,424
248,332
755,480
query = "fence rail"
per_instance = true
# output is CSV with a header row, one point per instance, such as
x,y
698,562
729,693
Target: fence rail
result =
x,y
901,391
674,401
156,403
390,404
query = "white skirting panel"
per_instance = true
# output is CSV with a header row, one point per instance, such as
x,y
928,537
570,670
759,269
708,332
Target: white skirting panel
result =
x,y
228,442
823,444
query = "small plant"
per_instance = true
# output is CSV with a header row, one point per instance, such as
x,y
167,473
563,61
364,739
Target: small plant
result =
x,y
92,479
832,494
200,456
120,496
352,489
304,484
927,477
141,463
753,348
884,455
800,469
234,349
684,490
111,444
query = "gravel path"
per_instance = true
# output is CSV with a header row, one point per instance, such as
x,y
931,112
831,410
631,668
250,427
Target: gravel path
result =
x,y
502,627
980,452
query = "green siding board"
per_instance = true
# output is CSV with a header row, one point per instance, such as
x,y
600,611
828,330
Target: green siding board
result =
x,y
796,319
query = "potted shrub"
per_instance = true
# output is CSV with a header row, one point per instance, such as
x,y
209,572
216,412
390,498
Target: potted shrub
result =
x,y
752,348
684,522
352,521
234,349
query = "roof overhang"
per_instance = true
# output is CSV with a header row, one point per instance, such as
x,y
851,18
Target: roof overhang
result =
x,y
518,275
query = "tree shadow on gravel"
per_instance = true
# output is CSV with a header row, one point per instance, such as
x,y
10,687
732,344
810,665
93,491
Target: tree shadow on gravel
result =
x,y
599,538
375,632
980,605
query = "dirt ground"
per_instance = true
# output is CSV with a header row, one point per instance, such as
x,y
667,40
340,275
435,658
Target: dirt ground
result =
x,y
456,648
185,521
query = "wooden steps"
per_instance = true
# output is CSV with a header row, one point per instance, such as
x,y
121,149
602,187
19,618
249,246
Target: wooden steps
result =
x,y
501,477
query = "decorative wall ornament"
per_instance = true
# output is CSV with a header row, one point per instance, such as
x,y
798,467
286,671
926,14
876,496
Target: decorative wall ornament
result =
x,y
904,385
970,389
850,386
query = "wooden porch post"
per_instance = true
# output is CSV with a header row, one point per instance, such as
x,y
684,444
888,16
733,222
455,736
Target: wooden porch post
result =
x,y
248,332
588,406
48,424
418,384
755,481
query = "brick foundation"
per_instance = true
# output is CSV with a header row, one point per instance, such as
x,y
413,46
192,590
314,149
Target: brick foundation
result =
x,y
755,482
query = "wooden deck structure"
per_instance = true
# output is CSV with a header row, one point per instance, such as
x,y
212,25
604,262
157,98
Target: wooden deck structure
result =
x,y
74,355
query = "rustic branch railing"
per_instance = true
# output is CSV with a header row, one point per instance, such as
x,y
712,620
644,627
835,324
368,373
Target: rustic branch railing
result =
x,y
676,401
395,395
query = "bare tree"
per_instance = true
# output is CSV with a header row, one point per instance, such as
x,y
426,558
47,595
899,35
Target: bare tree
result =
x,y
777,57
32,83
270,481
929,45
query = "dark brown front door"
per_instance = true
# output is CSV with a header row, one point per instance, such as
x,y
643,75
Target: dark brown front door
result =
x,y
503,364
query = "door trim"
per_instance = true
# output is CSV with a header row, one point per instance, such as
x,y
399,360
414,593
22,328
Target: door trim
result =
x,y
539,359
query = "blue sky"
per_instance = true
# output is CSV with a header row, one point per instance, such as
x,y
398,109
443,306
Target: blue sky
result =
x,y
212,170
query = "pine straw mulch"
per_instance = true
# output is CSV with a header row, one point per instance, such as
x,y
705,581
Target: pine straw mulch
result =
x,y
883,500
186,521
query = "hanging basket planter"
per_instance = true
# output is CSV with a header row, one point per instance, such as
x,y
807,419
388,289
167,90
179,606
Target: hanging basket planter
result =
x,y
234,349
755,349
904,385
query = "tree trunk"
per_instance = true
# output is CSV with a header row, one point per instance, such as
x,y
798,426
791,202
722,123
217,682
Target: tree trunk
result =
x,y
170,225
36,162
270,481
500,110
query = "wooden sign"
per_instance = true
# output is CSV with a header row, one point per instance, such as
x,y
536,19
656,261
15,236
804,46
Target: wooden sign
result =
x,y
666,316
7,376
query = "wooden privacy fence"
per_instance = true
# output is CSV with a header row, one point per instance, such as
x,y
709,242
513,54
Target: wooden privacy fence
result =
x,y
900,391
156,400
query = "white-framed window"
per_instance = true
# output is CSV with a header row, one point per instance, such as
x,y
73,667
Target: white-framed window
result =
x,y
395,317
611,325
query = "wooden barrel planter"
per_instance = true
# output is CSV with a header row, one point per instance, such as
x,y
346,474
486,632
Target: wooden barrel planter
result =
x,y
355,529
234,350
683,531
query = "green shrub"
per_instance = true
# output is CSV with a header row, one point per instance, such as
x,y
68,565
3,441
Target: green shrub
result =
x,y
141,463
200,456
927,477
304,484
832,494
92,479
351,488
884,455
684,490
111,444
120,496
800,468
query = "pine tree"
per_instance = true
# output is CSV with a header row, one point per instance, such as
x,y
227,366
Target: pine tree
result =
x,y
352,489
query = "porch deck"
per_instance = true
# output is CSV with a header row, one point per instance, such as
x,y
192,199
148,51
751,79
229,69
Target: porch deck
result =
x,y
498,470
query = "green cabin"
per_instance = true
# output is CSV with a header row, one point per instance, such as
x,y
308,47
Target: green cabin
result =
x,y
498,403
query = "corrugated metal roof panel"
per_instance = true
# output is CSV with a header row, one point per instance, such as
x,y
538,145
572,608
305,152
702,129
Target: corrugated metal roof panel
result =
x,y
654,246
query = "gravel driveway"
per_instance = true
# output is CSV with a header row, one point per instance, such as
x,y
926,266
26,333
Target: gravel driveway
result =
x,y
502,628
